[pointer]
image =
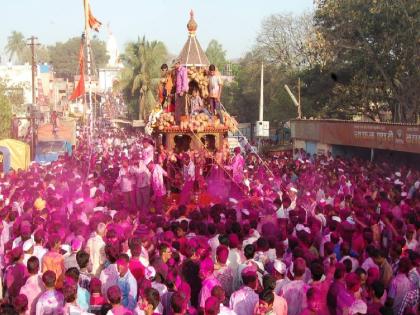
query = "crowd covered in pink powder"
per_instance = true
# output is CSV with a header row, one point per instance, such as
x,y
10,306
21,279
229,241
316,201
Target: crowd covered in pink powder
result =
x,y
124,227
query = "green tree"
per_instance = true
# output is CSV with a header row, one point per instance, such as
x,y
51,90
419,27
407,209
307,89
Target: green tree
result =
x,y
376,48
16,46
42,54
241,98
139,78
216,54
65,56
5,111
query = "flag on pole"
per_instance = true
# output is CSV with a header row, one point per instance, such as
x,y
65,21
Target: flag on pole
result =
x,y
94,23
80,88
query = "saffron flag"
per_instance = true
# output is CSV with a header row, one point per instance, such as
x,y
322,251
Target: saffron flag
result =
x,y
80,88
93,22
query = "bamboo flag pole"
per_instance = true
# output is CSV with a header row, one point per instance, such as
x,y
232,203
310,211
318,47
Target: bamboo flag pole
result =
x,y
88,51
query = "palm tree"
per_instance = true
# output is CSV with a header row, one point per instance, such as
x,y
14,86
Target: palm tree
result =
x,y
142,60
16,46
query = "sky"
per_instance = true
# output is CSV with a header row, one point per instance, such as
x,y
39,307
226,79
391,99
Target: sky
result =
x,y
234,23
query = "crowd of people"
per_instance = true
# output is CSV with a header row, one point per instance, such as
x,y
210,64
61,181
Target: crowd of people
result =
x,y
122,227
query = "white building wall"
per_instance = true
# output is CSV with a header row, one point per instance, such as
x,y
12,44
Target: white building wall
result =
x,y
19,75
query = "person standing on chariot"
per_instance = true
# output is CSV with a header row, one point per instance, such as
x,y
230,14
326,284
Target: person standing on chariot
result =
x,y
165,85
181,84
215,92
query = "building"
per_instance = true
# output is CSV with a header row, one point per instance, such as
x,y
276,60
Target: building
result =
x,y
109,74
18,75
369,140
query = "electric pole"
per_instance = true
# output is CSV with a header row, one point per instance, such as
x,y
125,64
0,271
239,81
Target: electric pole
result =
x,y
32,42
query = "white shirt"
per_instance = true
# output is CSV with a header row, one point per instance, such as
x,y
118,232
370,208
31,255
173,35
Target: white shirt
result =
x,y
50,303
226,310
124,180
109,277
243,301
143,176
96,248
148,154
189,172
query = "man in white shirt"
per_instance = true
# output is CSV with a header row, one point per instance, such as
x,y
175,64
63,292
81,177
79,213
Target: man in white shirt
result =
x,y
148,150
143,177
95,247
243,301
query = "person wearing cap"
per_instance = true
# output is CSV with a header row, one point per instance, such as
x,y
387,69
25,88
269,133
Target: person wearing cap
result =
x,y
279,273
28,250
244,300
181,89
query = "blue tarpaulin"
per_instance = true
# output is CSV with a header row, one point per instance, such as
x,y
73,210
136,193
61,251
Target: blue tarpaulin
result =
x,y
5,159
49,151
